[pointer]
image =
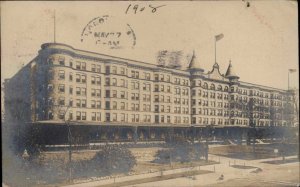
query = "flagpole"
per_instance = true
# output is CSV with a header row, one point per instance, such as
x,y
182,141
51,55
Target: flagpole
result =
x,y
215,49
288,80
54,27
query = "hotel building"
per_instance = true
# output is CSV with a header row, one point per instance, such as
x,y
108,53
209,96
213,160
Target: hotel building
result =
x,y
63,84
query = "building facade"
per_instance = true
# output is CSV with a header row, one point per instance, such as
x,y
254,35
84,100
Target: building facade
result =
x,y
66,84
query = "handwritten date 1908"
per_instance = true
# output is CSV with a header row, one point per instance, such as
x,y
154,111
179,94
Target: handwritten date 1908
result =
x,y
136,8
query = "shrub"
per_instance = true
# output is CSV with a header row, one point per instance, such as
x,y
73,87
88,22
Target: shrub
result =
x,y
111,159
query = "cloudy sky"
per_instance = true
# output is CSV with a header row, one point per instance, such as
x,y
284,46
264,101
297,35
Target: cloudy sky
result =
x,y
261,40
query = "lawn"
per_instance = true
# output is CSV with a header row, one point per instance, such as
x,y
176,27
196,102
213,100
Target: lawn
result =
x,y
262,151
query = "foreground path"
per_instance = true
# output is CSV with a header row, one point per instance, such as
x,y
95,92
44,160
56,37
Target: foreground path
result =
x,y
271,175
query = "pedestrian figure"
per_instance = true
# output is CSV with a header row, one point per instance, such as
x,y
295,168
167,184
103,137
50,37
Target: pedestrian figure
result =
x,y
221,177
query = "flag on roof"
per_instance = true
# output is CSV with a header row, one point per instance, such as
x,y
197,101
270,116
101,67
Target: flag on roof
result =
x,y
219,37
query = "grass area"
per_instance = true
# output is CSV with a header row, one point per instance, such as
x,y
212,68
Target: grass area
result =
x,y
146,166
51,161
159,178
262,151
243,167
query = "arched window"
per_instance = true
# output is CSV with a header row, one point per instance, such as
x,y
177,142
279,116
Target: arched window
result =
x,y
219,87
212,87
199,83
226,89
50,115
205,85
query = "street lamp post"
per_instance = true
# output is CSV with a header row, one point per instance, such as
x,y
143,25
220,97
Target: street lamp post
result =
x,y
70,149
67,123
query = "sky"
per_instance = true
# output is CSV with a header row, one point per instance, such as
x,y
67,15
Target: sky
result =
x,y
261,40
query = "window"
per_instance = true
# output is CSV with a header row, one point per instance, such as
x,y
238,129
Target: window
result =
x,y
93,80
70,115
93,104
114,70
114,106
93,69
61,101
114,93
122,83
147,76
50,87
50,60
98,80
193,92
98,104
83,115
122,106
107,116
61,74
168,89
122,71
168,80
51,74
98,93
61,114
93,116
107,105
83,103
71,102
93,92
114,117
77,65
156,108
83,66
83,91
78,115
156,118
98,114
107,81
135,74
168,109
78,102
98,68
122,117
107,69
77,78
114,82
122,94
61,88
61,61
70,77
83,78
107,93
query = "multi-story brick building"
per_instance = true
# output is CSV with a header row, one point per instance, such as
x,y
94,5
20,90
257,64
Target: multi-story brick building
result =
x,y
85,88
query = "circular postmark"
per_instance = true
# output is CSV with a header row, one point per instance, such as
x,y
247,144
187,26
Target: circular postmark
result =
x,y
105,31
